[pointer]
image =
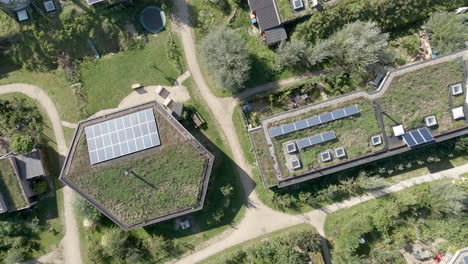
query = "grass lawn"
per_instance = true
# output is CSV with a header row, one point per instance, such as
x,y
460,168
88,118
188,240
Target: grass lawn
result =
x,y
429,88
264,159
218,257
53,83
107,80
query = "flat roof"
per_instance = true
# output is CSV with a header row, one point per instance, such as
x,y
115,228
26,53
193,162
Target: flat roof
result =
x,y
145,187
381,113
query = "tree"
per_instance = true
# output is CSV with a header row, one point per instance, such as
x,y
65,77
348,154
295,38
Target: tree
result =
x,y
15,256
292,54
447,199
85,210
115,244
356,45
448,31
461,145
226,56
21,143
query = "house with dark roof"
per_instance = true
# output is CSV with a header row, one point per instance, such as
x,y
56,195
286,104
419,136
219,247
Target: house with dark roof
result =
x,y
267,17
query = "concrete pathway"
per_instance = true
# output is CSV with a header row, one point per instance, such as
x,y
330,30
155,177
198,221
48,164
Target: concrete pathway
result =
x,y
71,239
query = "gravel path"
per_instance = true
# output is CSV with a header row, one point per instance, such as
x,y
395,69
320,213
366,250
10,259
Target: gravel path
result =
x,y
71,239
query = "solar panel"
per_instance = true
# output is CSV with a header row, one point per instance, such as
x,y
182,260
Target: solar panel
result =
x,y
288,128
314,140
338,113
409,140
326,117
123,135
301,124
275,131
313,121
351,110
418,137
329,135
426,134
303,143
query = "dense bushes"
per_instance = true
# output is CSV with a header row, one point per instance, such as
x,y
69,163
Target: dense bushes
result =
x,y
391,16
292,247
388,224
225,54
15,237
22,122
448,31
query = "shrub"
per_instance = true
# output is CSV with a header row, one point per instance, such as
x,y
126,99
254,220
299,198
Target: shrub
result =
x,y
22,143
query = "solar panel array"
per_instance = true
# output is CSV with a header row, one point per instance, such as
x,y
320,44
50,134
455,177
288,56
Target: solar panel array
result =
x,y
121,136
316,139
314,121
417,137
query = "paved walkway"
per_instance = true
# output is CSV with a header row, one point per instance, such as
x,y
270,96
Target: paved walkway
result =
x,y
71,240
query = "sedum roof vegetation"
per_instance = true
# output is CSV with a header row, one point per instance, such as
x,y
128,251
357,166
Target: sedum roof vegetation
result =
x,y
10,187
162,180
413,96
409,98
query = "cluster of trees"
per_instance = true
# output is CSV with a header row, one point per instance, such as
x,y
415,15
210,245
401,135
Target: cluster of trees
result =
x,y
391,219
354,49
117,246
370,177
16,232
356,46
291,247
448,31
21,122
391,16
226,57
41,47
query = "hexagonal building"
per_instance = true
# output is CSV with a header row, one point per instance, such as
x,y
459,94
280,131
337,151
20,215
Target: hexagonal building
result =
x,y
138,166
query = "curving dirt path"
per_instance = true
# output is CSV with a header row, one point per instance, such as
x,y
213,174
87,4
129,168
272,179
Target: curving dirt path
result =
x,y
71,239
